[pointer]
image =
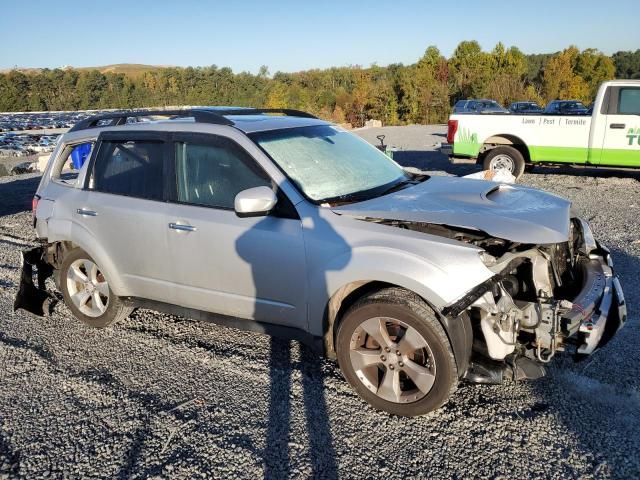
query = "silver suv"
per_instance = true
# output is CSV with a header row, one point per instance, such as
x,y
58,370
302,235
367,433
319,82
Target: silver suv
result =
x,y
279,222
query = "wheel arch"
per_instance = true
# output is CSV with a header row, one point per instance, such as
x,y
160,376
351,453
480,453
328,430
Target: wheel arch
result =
x,y
504,139
83,239
458,330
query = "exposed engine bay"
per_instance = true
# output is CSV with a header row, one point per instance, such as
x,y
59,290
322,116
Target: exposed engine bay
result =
x,y
542,298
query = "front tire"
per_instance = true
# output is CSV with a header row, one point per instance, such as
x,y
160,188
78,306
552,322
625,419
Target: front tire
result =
x,y
505,158
87,293
395,353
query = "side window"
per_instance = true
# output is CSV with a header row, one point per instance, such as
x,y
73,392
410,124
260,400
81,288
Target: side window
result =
x,y
211,172
629,101
69,162
131,168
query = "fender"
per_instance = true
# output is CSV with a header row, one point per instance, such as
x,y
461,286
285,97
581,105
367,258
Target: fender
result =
x,y
63,230
395,267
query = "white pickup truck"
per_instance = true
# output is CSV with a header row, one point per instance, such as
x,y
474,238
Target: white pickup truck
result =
x,y
609,137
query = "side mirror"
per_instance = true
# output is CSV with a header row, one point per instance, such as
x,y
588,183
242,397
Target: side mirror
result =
x,y
255,202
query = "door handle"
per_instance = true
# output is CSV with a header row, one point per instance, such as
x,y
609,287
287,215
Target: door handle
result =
x,y
182,228
86,213
618,126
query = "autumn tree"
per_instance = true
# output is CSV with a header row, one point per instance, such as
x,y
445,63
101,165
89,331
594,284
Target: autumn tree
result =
x,y
594,68
422,92
560,80
424,89
471,70
627,64
508,81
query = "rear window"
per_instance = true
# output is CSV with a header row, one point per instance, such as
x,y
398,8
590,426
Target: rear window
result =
x,y
131,168
629,101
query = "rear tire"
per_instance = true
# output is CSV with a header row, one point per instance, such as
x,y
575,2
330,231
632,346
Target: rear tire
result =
x,y
87,293
505,157
413,371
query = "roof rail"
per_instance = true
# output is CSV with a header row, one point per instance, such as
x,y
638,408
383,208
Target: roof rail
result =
x,y
215,115
120,118
289,112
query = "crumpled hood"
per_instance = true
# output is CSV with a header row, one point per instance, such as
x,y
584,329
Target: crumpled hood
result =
x,y
516,213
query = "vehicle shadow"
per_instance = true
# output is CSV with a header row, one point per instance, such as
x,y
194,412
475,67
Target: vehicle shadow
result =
x,y
597,398
433,160
584,171
16,195
320,447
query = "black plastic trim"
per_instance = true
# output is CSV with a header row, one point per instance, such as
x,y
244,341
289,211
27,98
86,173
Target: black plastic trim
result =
x,y
315,343
120,118
460,333
461,305
200,115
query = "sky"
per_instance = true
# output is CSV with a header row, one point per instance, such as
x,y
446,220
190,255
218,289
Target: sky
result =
x,y
298,35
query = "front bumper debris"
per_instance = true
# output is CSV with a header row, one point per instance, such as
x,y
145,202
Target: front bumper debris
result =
x,y
599,310
31,297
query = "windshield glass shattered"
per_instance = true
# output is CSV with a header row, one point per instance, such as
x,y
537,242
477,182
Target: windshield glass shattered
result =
x,y
328,163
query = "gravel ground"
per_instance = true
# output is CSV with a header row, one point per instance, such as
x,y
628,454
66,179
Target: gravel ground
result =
x,y
161,396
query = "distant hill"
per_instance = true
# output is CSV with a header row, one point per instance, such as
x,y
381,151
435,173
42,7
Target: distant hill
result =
x,y
129,69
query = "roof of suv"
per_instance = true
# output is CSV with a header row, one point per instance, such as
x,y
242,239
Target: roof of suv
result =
x,y
247,120
261,123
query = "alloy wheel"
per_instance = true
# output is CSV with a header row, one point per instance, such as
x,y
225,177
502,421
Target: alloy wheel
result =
x,y
392,359
87,287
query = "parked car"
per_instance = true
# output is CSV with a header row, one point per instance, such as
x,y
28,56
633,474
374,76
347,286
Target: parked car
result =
x,y
478,106
267,223
566,107
607,138
525,107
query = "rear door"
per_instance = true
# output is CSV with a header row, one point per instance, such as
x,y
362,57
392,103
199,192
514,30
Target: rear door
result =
x,y
122,208
621,145
252,268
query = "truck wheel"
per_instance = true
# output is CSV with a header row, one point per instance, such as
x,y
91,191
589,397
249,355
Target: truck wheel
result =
x,y
505,157
87,293
395,354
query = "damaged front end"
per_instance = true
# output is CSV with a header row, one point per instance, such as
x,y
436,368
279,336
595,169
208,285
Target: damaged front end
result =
x,y
546,297
540,300
33,296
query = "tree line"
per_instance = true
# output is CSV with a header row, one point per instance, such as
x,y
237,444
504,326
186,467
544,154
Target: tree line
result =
x,y
423,92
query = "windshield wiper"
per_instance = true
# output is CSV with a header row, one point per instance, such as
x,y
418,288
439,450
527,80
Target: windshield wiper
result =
x,y
364,195
398,186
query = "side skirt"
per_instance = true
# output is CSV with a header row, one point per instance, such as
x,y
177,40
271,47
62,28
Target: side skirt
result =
x,y
315,343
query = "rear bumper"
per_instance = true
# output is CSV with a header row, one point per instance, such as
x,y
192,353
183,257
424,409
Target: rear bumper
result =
x,y
33,296
446,149
599,311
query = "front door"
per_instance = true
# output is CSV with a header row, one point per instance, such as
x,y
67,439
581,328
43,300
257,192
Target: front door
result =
x,y
252,268
621,145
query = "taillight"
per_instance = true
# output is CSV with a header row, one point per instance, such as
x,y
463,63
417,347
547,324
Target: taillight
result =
x,y
34,204
452,128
